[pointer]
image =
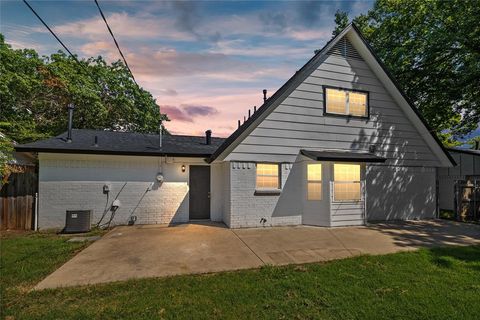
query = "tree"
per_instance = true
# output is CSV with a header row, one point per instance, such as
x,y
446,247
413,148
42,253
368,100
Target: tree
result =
x,y
341,22
34,93
474,143
6,150
433,50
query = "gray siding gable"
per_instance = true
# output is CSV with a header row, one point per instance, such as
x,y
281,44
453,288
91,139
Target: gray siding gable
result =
x,y
298,107
298,122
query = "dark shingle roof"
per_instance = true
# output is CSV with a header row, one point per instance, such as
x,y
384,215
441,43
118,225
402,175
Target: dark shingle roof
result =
x,y
124,143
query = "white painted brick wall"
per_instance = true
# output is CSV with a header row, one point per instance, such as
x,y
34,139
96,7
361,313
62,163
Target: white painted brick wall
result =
x,y
247,208
75,182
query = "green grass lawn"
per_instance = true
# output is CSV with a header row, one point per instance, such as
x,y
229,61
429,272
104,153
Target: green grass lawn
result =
x,y
441,283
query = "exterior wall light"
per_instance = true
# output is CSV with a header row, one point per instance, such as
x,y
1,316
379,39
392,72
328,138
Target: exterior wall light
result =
x,y
183,168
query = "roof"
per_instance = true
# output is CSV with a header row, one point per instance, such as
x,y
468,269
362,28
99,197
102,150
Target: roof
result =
x,y
124,143
341,156
467,151
300,75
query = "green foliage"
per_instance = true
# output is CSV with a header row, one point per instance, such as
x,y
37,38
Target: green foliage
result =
x,y
34,93
341,22
474,142
6,149
433,50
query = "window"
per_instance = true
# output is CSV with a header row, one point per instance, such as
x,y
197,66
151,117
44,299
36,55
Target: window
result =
x,y
346,186
346,102
267,176
314,181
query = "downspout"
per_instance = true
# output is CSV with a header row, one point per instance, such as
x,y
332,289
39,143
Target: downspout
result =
x,y
35,223
437,189
160,134
365,202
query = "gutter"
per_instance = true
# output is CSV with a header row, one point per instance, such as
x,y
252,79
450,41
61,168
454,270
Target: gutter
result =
x,y
112,152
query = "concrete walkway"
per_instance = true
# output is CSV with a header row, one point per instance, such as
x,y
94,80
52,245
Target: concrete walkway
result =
x,y
156,251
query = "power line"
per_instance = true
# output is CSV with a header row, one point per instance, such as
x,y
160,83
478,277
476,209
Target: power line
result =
x,y
53,33
115,40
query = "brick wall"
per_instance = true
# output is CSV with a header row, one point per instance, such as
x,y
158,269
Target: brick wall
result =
x,y
75,182
248,208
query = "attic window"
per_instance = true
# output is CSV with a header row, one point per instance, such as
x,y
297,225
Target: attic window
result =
x,y
352,103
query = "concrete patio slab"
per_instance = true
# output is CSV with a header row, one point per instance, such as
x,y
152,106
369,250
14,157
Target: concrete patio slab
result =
x,y
153,251
156,251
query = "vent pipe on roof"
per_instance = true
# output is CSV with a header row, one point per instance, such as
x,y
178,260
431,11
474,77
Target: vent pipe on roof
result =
x,y
249,113
254,109
477,145
264,95
70,109
239,123
160,129
208,137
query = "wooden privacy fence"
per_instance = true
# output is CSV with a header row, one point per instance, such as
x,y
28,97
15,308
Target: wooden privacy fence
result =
x,y
17,200
467,199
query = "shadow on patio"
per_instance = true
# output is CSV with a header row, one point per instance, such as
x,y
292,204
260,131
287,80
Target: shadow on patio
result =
x,y
431,233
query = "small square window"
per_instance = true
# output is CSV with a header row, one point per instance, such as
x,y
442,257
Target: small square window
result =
x,y
336,101
268,176
357,104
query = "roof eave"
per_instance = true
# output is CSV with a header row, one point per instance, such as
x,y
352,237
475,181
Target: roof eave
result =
x,y
113,152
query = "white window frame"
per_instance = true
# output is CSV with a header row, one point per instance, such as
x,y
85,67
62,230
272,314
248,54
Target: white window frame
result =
x,y
347,103
315,181
360,182
279,181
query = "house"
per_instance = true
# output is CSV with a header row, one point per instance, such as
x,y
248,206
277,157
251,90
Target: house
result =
x,y
339,144
465,172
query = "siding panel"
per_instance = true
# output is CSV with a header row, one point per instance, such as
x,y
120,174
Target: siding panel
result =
x,y
298,122
335,136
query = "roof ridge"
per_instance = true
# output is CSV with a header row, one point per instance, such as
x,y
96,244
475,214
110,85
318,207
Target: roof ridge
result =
x,y
135,132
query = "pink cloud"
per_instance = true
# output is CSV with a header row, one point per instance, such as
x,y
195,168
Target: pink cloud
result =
x,y
232,105
175,113
187,113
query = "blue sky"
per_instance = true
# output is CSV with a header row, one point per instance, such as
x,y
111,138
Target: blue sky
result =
x,y
206,62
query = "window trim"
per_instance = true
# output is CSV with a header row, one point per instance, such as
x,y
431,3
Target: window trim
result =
x,y
279,176
360,182
315,181
325,113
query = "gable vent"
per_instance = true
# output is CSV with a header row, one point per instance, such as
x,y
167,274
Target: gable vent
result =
x,y
345,49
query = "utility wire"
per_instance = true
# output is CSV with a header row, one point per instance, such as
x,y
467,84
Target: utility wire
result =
x,y
53,33
115,40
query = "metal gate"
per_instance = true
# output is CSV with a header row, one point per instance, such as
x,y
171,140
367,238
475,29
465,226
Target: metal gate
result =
x,y
467,199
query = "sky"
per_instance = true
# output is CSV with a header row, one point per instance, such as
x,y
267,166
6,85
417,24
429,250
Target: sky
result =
x,y
205,62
